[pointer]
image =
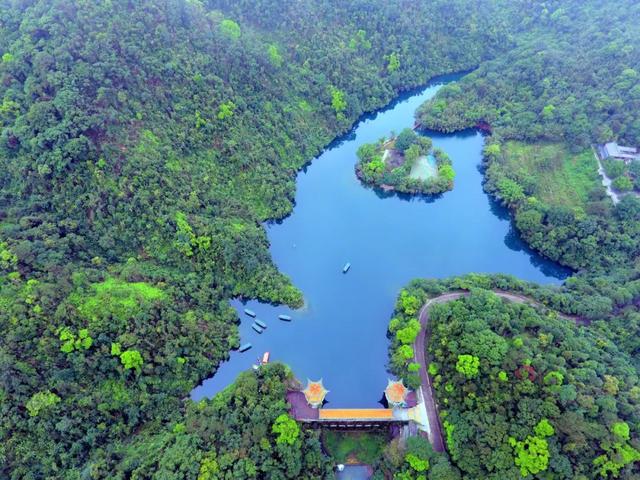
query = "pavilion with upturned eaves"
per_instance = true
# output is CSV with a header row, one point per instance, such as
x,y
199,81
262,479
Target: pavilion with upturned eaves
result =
x,y
315,393
396,393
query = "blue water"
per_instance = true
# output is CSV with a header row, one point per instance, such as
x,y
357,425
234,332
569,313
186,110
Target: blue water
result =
x,y
340,335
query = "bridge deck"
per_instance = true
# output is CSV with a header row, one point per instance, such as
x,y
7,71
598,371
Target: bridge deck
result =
x,y
355,414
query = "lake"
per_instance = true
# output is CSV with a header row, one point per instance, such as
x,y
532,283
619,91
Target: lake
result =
x,y
340,335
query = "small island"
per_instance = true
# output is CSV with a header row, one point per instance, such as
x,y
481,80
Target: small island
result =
x,y
407,163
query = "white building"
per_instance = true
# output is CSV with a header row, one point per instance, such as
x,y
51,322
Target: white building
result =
x,y
626,154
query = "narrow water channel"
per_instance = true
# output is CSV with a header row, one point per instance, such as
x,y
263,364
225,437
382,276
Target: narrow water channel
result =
x,y
340,336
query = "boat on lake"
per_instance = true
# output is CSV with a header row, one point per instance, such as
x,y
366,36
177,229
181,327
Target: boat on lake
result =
x,y
260,323
245,346
265,358
346,267
257,328
285,318
251,313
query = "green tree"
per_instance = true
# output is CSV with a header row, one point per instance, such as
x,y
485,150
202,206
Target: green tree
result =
x,y
532,455
622,183
405,139
446,172
131,359
226,110
41,401
393,62
287,429
274,56
468,365
416,463
408,334
338,101
230,28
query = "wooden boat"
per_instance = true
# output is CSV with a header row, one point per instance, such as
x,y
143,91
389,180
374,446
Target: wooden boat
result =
x,y
285,318
260,323
245,346
346,267
265,358
257,328
251,313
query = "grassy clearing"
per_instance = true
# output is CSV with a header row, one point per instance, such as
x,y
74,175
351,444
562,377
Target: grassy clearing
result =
x,y
363,447
551,173
120,299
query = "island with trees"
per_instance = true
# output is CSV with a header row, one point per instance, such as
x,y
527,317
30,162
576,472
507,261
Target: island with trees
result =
x,y
406,163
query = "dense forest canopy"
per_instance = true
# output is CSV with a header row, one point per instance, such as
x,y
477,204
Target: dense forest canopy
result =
x,y
571,81
141,145
528,391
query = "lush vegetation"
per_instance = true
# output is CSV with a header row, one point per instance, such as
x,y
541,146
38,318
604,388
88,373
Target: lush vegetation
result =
x,y
553,175
402,163
571,82
578,226
568,78
624,177
141,145
414,459
244,432
524,391
354,447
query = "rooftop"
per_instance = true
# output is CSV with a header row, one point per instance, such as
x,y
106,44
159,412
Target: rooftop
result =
x,y
612,149
355,413
315,393
396,392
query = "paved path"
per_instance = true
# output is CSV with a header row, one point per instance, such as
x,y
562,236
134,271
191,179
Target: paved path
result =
x,y
434,427
606,181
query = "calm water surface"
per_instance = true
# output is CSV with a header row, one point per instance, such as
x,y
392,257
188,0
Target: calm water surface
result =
x,y
340,335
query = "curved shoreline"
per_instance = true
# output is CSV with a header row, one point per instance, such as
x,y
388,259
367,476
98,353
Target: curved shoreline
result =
x,y
426,391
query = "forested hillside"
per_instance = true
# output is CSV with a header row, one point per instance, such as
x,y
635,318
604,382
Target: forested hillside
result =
x,y
141,144
571,81
524,392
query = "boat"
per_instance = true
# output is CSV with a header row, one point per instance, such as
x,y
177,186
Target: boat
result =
x,y
346,267
260,323
251,313
285,318
265,358
245,346
257,328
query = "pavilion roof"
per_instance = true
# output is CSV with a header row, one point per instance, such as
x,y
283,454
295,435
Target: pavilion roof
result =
x,y
315,392
396,392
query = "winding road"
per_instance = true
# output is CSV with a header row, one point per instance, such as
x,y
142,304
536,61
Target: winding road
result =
x,y
434,427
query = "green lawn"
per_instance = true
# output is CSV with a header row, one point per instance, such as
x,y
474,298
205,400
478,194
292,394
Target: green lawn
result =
x,y
365,447
554,175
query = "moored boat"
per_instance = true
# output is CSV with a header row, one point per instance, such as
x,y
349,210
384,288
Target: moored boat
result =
x,y
260,323
265,358
285,318
251,313
257,328
244,347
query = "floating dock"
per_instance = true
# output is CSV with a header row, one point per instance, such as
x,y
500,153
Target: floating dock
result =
x,y
285,318
251,313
